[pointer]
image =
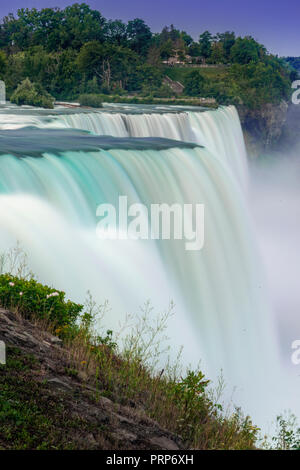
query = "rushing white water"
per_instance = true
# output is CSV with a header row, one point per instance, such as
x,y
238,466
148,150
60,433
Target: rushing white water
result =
x,y
220,131
49,204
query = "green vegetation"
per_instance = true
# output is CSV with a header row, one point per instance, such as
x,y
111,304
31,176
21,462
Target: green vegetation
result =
x,y
194,83
32,94
92,100
29,297
287,435
253,84
79,52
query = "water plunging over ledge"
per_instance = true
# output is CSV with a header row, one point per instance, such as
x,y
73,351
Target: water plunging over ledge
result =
x,y
151,155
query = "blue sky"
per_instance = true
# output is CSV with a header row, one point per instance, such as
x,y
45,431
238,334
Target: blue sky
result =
x,y
273,23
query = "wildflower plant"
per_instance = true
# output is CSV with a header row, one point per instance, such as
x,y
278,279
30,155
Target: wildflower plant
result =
x,y
34,300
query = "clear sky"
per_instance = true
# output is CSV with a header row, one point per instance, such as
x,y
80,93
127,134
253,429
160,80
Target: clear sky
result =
x,y
275,23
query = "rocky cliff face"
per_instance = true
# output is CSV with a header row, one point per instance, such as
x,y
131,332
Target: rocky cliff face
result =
x,y
263,127
290,136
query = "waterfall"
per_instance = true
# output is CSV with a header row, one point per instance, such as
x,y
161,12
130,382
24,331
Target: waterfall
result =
x,y
48,201
97,123
219,131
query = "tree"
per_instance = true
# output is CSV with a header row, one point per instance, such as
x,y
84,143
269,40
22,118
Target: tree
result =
x,y
15,72
66,80
139,35
37,22
260,82
217,53
109,63
90,59
167,49
116,32
71,27
75,50
246,50
3,64
194,49
154,56
187,39
81,24
174,33
194,83
227,40
145,76
205,41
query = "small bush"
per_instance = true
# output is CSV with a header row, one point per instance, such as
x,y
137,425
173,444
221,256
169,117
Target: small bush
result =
x,y
33,300
32,94
93,100
287,433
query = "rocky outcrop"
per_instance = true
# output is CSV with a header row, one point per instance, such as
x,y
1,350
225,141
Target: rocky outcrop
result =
x,y
263,127
38,370
290,136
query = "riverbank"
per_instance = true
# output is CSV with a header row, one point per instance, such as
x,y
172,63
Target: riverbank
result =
x,y
94,100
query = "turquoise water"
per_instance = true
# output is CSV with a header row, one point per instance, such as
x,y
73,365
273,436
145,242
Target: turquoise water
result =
x,y
151,156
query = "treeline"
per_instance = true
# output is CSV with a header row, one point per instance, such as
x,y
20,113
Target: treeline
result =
x,y
76,50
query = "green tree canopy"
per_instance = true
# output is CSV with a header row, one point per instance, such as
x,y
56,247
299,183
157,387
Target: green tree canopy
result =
x,y
194,83
227,40
139,36
205,41
246,50
109,63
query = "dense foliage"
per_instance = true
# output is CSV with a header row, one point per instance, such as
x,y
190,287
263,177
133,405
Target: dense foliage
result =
x,y
32,300
32,94
76,51
194,83
91,100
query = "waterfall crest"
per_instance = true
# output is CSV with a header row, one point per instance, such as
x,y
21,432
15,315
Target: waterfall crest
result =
x,y
220,131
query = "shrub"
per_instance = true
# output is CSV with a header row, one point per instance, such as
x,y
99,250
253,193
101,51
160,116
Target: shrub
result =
x,y
32,94
194,83
164,91
93,100
287,433
92,86
33,300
